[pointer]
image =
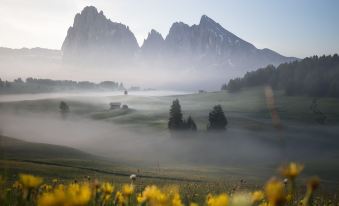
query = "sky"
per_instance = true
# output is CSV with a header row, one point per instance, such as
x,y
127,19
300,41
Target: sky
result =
x,y
297,28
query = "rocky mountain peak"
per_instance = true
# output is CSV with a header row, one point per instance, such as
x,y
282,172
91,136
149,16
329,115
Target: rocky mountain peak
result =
x,y
93,34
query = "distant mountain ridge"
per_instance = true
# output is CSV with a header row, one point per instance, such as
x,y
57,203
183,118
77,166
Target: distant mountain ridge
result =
x,y
207,44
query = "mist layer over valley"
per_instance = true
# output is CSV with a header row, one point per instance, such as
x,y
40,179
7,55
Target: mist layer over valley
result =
x,y
139,134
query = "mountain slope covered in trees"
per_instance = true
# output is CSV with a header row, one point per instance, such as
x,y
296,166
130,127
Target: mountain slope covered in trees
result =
x,y
313,76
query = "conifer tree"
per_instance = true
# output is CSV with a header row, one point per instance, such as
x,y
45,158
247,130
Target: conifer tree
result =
x,y
175,121
217,119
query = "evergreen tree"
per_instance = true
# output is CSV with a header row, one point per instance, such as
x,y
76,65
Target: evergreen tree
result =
x,y
175,121
217,119
64,108
190,124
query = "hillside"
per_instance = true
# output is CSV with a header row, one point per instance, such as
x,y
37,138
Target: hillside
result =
x,y
12,148
314,76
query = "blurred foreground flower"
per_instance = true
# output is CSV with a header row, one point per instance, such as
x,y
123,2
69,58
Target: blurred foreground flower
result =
x,y
274,190
30,181
292,170
218,200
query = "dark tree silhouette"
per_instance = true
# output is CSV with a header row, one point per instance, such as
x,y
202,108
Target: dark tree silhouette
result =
x,y
64,108
175,121
313,76
217,119
190,124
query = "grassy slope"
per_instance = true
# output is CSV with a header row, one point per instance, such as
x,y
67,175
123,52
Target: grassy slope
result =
x,y
246,110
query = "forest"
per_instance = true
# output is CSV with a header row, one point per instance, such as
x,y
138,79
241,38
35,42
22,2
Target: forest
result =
x,y
313,76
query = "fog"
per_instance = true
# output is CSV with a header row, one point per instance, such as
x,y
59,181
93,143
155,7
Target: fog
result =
x,y
151,146
146,74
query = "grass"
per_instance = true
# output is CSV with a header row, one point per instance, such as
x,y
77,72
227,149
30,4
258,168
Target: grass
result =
x,y
246,110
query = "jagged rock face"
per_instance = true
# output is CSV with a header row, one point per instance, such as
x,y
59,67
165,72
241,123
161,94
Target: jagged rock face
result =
x,y
153,44
92,34
206,45
209,43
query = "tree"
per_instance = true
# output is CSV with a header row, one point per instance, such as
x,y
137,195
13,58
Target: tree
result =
x,y
190,124
175,121
217,119
64,108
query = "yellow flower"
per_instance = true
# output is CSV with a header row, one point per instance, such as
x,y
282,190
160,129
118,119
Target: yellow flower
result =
x,y
291,170
79,194
73,195
257,196
107,188
176,201
193,204
219,200
127,190
120,199
241,199
153,196
30,181
274,191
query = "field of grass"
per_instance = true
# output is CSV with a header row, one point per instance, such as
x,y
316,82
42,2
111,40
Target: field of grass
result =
x,y
246,111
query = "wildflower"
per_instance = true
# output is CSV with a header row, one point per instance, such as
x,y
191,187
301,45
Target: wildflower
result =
x,y
79,194
274,191
127,190
241,199
176,201
30,181
107,188
193,204
219,200
120,199
257,196
153,196
312,184
291,170
74,195
133,177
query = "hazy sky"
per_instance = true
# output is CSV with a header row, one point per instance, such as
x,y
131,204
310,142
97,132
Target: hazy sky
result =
x,y
291,27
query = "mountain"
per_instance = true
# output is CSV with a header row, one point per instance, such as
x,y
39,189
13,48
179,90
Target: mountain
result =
x,y
93,35
153,44
206,45
209,44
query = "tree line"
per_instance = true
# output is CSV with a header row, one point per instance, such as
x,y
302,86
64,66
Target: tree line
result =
x,y
313,76
35,85
216,118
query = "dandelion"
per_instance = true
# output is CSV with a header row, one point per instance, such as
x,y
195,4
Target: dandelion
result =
x,y
127,190
30,181
176,201
133,177
274,191
107,188
120,199
219,200
257,196
241,199
291,170
153,196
